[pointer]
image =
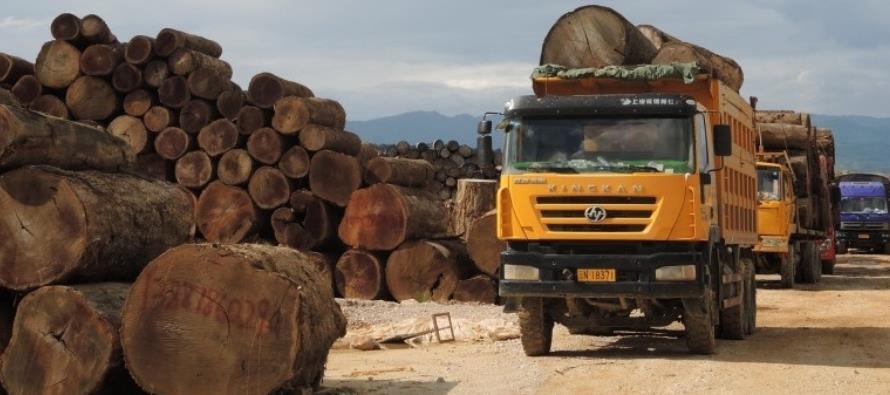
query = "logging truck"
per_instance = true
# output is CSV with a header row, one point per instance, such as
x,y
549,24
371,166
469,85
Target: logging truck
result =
x,y
862,212
629,204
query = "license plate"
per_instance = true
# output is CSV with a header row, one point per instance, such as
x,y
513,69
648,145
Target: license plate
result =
x,y
596,275
863,236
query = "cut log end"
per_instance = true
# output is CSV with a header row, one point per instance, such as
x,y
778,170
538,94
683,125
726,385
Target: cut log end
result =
x,y
422,270
269,188
194,169
235,167
360,275
265,89
334,176
225,214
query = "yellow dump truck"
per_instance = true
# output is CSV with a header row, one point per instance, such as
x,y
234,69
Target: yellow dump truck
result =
x,y
628,201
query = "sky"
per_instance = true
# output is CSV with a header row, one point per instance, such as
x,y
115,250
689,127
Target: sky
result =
x,y
387,57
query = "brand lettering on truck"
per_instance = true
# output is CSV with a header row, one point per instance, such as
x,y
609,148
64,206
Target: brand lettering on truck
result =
x,y
591,188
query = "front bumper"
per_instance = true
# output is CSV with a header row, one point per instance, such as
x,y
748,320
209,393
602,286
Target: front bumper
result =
x,y
862,238
635,275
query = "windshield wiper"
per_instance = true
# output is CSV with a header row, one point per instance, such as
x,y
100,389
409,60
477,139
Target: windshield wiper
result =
x,y
554,167
642,168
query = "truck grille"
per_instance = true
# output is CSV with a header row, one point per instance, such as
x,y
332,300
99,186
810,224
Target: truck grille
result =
x,y
624,213
863,226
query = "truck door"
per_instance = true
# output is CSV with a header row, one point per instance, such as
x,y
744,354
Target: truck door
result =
x,y
705,159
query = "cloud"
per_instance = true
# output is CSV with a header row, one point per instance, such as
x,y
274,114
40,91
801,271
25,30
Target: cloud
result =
x,y
11,22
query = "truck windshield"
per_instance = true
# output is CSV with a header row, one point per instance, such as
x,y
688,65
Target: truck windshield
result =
x,y
769,184
864,205
598,144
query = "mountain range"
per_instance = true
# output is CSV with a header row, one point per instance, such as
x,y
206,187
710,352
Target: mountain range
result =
x,y
862,143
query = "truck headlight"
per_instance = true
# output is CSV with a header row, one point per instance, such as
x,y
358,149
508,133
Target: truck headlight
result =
x,y
521,273
675,273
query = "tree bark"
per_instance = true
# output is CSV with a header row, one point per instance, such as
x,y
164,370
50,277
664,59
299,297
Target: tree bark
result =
x,y
194,169
158,118
366,153
184,61
723,68
218,137
9,99
423,270
655,36
595,36
316,138
269,188
404,172
266,88
230,101
131,130
126,78
263,318
58,64
234,167
153,166
479,289
195,115
781,116
30,138
483,244
27,89
100,59
207,83
94,222
360,275
225,213
334,176
169,40
91,98
156,71
51,105
139,50
172,143
474,199
66,342
293,113
294,162
66,27
265,145
780,136
174,91
383,216
251,118
138,102
95,31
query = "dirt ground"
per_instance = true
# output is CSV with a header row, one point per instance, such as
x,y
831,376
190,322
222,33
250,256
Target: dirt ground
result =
x,y
833,337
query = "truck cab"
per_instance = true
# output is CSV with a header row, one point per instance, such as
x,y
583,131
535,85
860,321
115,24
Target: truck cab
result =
x,y
864,220
776,222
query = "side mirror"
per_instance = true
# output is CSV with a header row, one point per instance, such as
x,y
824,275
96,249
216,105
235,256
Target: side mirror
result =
x,y
722,140
484,127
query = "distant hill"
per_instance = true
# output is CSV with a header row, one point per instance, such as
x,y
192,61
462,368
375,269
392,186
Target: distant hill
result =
x,y
862,143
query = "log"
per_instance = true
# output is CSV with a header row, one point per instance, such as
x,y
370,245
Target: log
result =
x,y
251,118
230,101
169,40
300,200
288,231
656,36
184,61
194,169
139,50
474,198
324,262
269,188
126,77
95,222
156,71
196,114
95,30
158,118
138,102
383,216
360,275
57,65
723,68
265,145
66,342
483,244
131,130
263,318
478,289
316,138
403,146
783,116
465,151
452,145
367,152
404,172
320,221
8,99
91,98
424,271
30,138
172,143
784,136
225,213
266,89
66,27
27,89
100,59
51,105
234,167
334,176
595,36
294,162
294,113
174,92
218,137
153,166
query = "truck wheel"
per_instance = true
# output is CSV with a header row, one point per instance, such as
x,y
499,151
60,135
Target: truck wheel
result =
x,y
787,268
535,327
828,266
700,337
750,296
809,262
842,247
733,319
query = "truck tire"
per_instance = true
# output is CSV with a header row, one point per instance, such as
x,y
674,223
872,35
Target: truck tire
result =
x,y
734,319
810,264
788,268
828,266
700,336
842,247
750,295
535,327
